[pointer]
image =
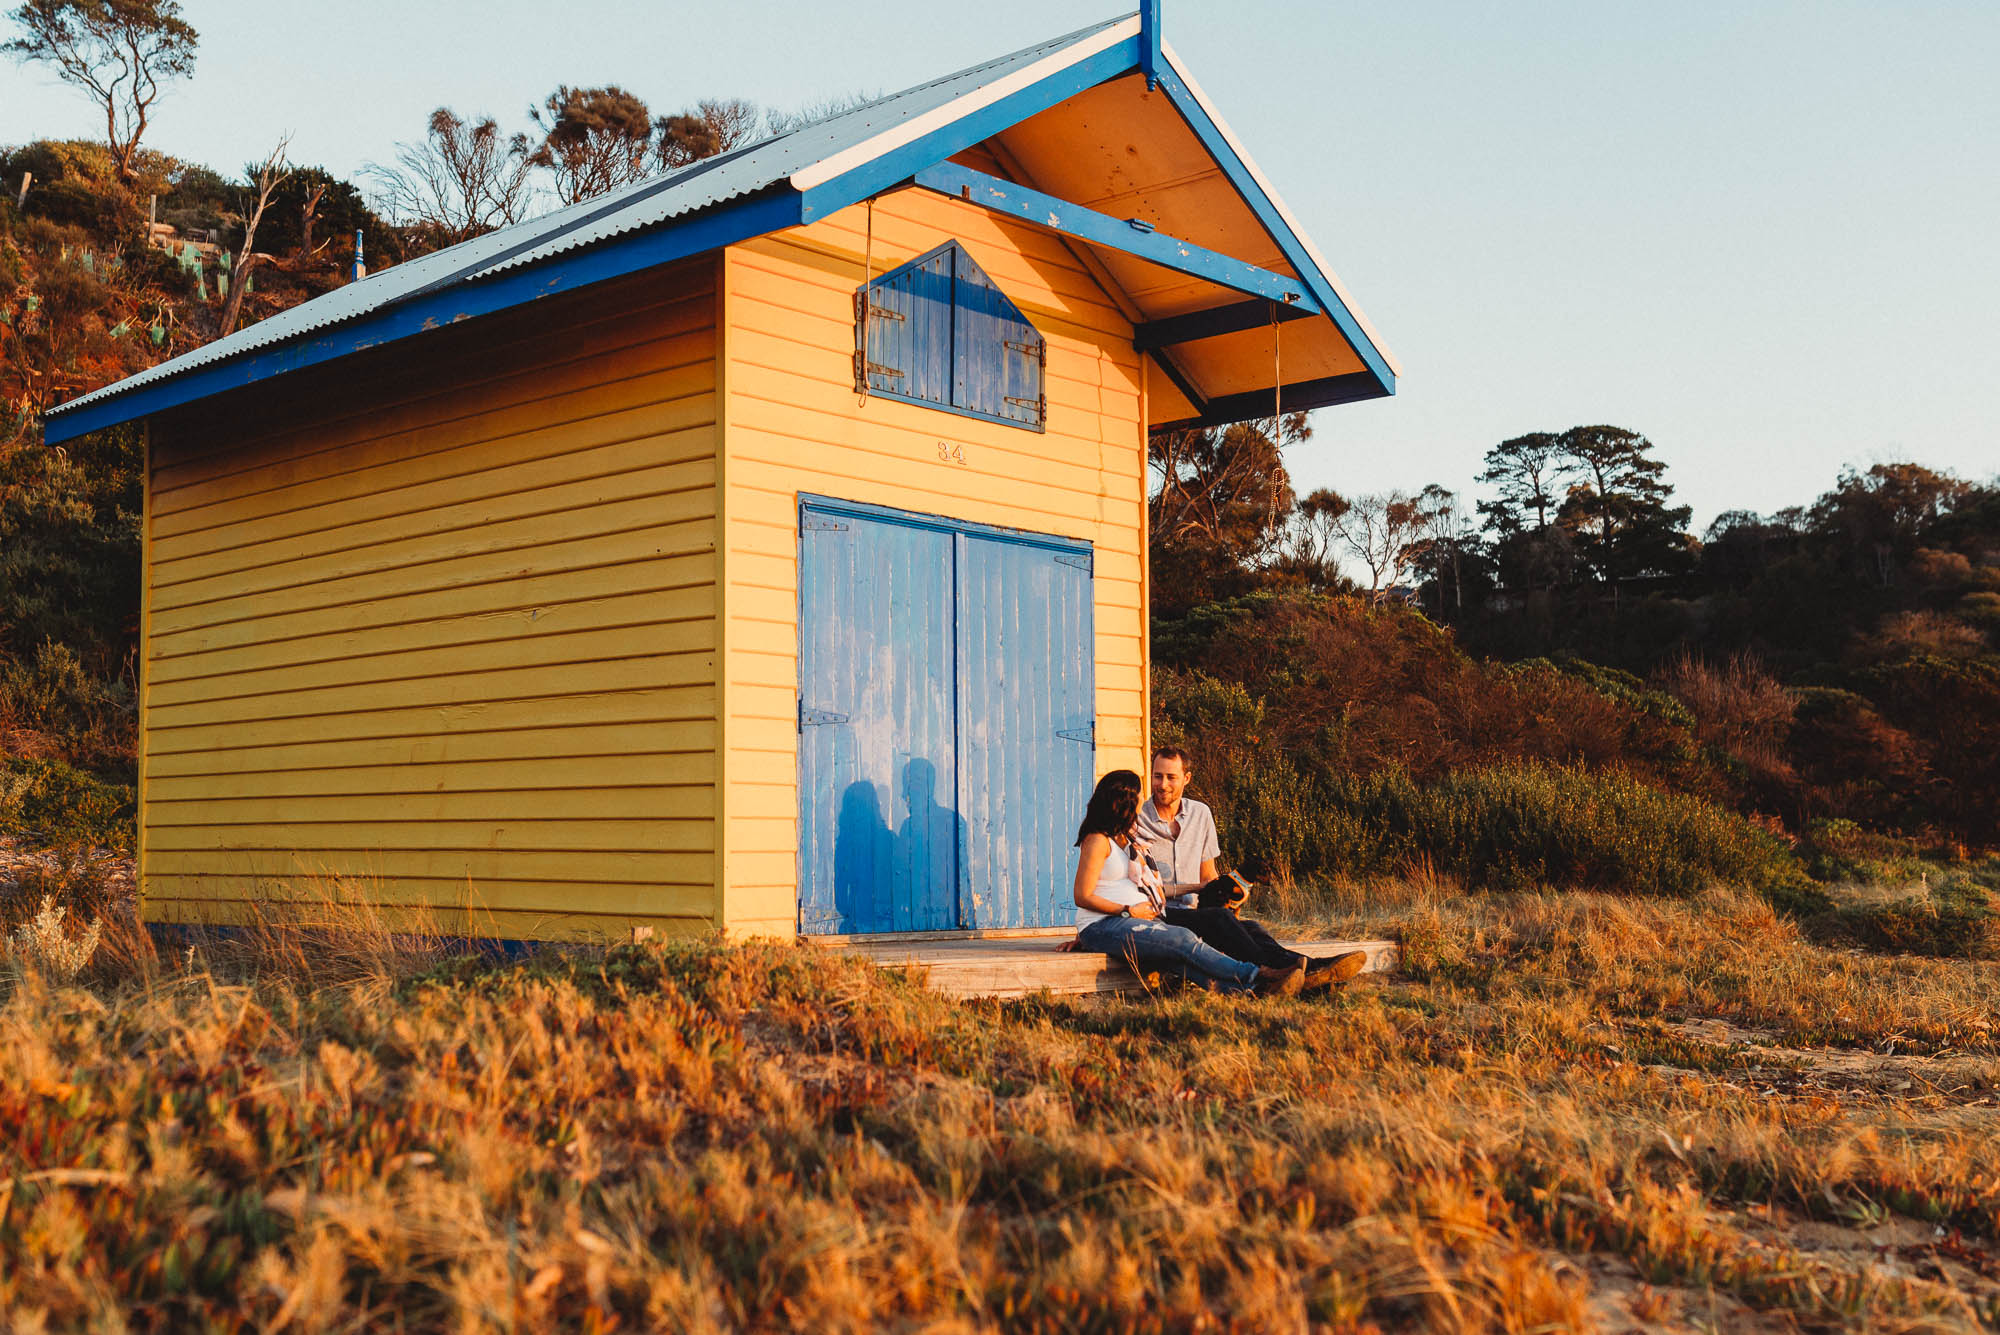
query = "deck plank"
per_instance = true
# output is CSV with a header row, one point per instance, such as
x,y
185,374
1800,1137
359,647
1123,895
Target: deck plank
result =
x,y
1016,967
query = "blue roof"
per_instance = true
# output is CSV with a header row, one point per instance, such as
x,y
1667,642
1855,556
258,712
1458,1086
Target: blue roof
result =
x,y
762,187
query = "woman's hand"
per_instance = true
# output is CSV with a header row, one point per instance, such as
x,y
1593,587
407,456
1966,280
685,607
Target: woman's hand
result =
x,y
1145,911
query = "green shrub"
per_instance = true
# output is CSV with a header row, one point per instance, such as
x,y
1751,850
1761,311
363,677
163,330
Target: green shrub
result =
x,y
53,694
1982,610
1504,828
1934,909
56,803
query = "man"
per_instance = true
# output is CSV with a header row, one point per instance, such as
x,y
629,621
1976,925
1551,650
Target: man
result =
x,y
1178,834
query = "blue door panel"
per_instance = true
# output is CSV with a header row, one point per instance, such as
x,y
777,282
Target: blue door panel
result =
x,y
946,706
1026,749
878,837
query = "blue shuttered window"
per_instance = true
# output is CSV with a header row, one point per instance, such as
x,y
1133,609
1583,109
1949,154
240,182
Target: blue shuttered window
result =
x,y
937,331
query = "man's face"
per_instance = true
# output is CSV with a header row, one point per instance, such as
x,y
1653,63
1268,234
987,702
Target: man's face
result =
x,y
1170,778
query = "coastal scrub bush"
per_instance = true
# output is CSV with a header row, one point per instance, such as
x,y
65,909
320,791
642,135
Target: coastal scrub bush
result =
x,y
1510,827
52,694
56,803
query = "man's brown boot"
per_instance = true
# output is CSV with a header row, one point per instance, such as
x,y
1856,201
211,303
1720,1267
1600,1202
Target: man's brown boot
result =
x,y
1335,969
1281,982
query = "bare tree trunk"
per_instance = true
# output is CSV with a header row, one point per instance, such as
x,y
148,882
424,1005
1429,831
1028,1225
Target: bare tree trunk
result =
x,y
269,176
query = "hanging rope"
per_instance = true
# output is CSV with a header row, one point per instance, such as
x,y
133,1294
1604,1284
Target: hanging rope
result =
x,y
865,302
1277,377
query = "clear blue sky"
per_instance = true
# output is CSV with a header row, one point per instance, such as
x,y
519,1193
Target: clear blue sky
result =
x,y
1764,233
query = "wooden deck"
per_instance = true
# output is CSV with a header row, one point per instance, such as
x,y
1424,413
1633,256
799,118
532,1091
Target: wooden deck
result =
x,y
1016,966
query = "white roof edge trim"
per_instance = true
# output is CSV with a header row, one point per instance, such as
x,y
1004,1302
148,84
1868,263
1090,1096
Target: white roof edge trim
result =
x,y
1264,184
819,173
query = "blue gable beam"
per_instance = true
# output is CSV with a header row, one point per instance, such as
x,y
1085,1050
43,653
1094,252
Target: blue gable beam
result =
x,y
1304,394
1101,229
1280,231
900,164
680,240
1212,323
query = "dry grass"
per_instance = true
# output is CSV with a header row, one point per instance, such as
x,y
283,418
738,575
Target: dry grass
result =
x,y
1572,1113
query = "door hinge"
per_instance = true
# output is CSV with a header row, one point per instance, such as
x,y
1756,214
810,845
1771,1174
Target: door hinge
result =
x,y
1077,559
815,524
1087,733
816,718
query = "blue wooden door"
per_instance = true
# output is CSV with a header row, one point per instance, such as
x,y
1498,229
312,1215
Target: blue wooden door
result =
x,y
878,838
1026,742
946,709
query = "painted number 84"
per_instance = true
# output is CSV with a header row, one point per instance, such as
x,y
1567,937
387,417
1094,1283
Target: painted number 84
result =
x,y
950,453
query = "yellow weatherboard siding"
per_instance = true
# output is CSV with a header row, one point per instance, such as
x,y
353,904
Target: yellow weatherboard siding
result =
x,y
440,627
794,423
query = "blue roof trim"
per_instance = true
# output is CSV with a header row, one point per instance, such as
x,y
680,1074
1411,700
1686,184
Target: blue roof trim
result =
x,y
896,167
1218,145
444,306
1149,42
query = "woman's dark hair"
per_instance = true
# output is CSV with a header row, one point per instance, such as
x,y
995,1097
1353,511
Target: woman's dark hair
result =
x,y
1113,807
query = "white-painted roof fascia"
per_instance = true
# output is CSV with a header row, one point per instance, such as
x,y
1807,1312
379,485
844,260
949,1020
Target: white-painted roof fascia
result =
x,y
1264,184
896,136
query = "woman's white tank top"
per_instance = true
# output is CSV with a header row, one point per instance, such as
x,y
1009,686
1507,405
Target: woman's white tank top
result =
x,y
1115,883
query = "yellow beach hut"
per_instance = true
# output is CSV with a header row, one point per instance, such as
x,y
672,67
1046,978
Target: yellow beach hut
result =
x,y
759,547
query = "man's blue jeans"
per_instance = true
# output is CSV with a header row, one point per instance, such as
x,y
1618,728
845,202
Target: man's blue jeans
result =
x,y
1144,942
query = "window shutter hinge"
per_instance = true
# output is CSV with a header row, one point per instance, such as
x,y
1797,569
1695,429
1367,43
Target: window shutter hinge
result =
x,y
1078,560
815,524
1087,733
865,306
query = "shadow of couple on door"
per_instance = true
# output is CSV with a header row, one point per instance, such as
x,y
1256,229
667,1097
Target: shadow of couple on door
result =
x,y
901,880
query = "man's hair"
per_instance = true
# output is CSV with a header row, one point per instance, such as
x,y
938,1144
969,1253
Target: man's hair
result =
x,y
1172,753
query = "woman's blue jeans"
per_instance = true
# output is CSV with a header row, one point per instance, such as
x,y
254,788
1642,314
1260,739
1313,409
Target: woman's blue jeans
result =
x,y
1141,942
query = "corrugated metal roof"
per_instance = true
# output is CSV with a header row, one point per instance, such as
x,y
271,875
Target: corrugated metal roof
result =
x,y
642,205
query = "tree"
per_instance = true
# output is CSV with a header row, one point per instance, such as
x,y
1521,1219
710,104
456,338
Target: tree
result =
x,y
1877,519
462,180
314,213
311,196
265,179
712,127
1379,532
1530,472
1221,503
593,140
119,51
1618,511
1446,548
812,113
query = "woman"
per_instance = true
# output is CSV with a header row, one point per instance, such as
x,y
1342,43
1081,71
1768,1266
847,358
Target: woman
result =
x,y
1118,901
